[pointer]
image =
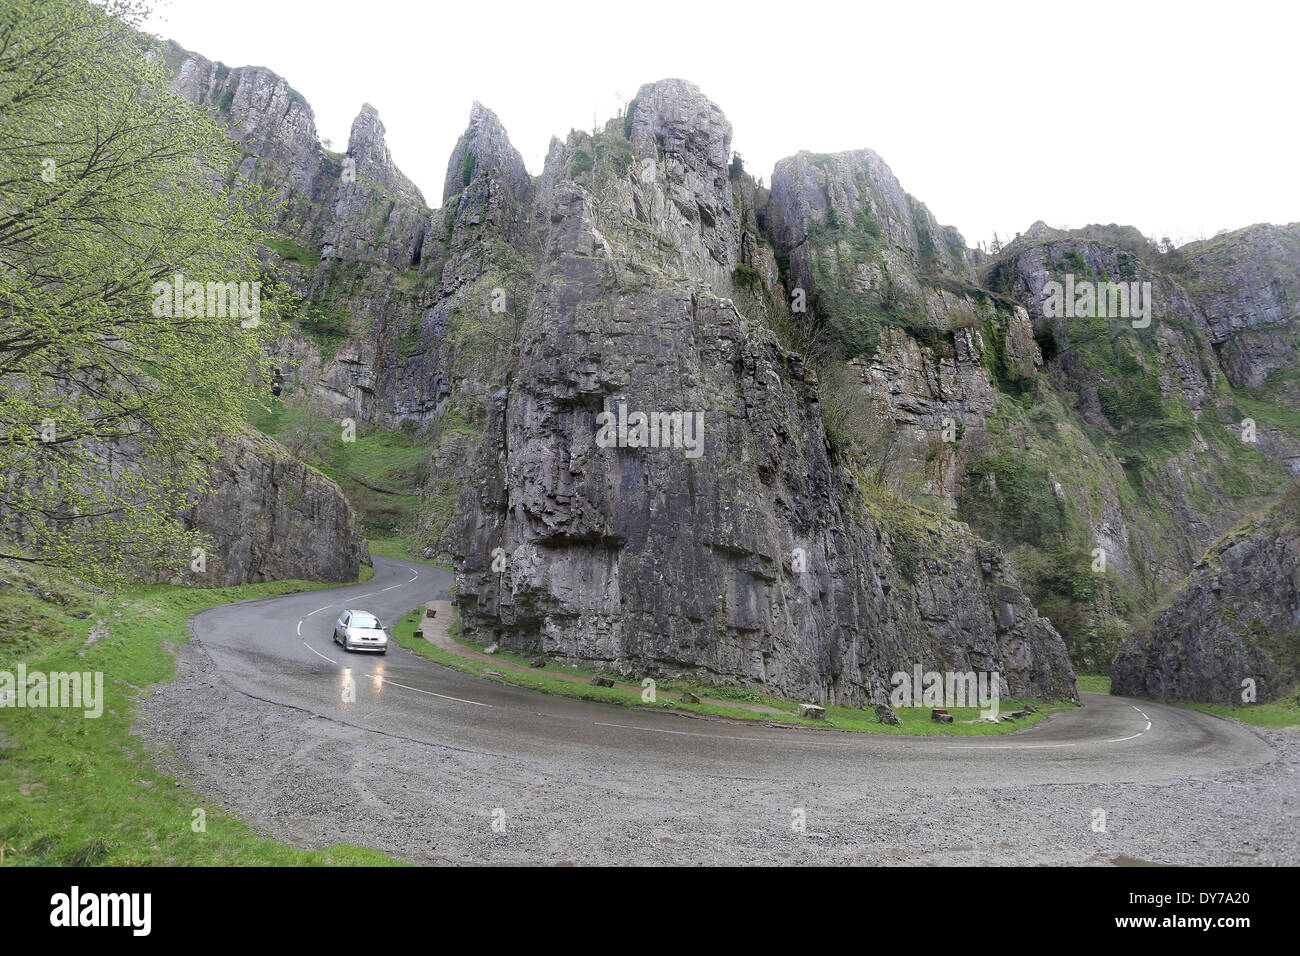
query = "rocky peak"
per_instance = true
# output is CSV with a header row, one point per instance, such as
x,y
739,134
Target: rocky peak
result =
x,y
369,151
1040,231
366,143
674,117
681,188
1248,283
856,194
263,111
755,557
485,148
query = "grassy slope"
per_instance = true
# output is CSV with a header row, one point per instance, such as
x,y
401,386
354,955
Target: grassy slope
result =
x,y
1095,683
380,472
1275,713
80,791
916,720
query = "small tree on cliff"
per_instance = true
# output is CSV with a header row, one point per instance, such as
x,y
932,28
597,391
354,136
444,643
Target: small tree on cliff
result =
x,y
115,374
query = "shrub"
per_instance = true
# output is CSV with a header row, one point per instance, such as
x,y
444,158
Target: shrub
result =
x,y
581,162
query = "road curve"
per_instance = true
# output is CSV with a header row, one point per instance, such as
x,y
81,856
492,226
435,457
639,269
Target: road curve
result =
x,y
280,650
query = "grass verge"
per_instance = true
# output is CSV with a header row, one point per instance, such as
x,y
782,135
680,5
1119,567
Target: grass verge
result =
x,y
79,791
399,547
551,680
1274,713
1095,683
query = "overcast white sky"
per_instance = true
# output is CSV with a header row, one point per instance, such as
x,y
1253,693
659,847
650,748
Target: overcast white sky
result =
x,y
1179,118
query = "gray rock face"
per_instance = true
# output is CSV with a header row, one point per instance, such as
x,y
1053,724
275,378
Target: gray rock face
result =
x,y
269,517
364,218
759,562
484,151
1248,286
1204,329
812,192
274,122
378,212
1236,619
687,199
892,293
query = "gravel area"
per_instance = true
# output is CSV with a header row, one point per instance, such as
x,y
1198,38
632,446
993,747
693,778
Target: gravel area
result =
x,y
313,781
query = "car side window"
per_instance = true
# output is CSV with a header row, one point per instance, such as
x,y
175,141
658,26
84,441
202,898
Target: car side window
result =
x,y
344,619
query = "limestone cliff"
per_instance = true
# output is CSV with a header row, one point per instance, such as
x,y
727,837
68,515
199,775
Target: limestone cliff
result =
x,y
268,517
1233,628
762,561
1066,439
645,269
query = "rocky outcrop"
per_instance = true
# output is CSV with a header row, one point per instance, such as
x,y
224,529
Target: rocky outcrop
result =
x,y
269,517
378,213
758,560
484,151
1231,633
682,142
274,125
891,293
1248,287
355,229
853,206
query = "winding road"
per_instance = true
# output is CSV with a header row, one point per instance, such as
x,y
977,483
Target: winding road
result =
x,y
550,768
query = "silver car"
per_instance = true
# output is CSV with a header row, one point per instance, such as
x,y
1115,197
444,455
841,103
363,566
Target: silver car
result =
x,y
361,631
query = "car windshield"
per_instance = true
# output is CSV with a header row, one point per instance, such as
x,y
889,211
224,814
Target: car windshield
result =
x,y
364,621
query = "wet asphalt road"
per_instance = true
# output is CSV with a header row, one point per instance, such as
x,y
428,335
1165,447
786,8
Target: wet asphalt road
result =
x,y
280,650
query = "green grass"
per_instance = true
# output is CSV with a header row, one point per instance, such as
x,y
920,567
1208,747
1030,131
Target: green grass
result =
x,y
295,253
916,720
399,547
380,472
77,791
1277,713
1256,405
1096,683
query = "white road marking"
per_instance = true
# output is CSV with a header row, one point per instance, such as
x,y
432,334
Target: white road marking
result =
x,y
318,653
1120,740
687,733
414,575
978,747
459,700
